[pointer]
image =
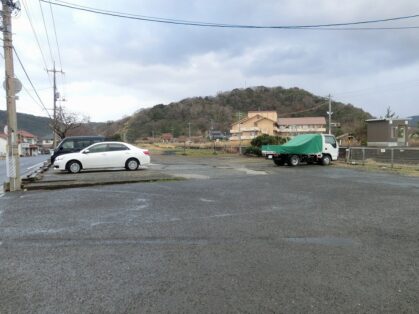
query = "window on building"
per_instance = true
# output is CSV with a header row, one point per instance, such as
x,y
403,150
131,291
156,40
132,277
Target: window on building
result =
x,y
394,132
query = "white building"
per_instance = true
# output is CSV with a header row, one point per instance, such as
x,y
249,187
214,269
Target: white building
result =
x,y
27,143
3,145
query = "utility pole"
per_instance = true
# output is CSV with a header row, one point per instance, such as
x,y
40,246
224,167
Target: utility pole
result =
x,y
330,114
13,163
240,135
189,131
56,97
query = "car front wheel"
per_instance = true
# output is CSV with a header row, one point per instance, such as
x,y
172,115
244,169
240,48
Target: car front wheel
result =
x,y
73,166
132,164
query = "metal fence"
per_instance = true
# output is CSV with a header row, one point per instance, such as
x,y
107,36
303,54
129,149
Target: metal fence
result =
x,y
385,155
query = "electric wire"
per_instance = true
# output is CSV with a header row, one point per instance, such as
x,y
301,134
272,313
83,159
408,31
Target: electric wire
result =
x,y
305,110
330,26
31,96
30,81
46,32
36,38
56,37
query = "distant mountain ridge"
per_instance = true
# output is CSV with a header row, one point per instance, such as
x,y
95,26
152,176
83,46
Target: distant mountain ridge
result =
x,y
36,125
216,112
414,120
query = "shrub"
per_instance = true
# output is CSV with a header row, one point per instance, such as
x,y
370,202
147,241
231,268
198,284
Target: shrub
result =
x,y
253,150
266,139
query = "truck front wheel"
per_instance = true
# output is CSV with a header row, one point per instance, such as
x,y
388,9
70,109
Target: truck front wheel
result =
x,y
279,162
294,160
326,160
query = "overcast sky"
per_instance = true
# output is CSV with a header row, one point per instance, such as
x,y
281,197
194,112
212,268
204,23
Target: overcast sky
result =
x,y
116,66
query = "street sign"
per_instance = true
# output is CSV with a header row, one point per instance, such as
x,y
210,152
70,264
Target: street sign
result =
x,y
18,85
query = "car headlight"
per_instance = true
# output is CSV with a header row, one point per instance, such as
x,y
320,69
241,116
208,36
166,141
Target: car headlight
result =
x,y
59,158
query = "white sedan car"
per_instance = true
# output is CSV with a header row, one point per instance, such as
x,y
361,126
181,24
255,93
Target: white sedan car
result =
x,y
103,155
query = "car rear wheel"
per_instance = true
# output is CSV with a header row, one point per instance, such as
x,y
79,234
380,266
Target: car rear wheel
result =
x,y
74,166
326,160
294,161
132,164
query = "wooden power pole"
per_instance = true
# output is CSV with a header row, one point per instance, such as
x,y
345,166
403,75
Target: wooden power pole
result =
x,y
56,97
13,164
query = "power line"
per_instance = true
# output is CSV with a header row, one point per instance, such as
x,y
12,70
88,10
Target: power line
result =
x,y
46,31
30,81
56,37
331,26
31,96
305,110
36,37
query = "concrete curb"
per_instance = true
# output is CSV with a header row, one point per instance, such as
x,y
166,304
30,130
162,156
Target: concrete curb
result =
x,y
36,174
73,184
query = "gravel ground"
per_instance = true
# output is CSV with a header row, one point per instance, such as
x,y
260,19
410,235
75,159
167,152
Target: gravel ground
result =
x,y
239,236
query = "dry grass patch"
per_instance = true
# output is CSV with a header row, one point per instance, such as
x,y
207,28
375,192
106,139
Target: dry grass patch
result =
x,y
370,165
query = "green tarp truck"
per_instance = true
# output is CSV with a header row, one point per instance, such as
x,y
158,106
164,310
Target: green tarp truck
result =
x,y
310,148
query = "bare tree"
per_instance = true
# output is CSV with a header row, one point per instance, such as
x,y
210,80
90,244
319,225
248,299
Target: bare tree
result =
x,y
390,114
67,121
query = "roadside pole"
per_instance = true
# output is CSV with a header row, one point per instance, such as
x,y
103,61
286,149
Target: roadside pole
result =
x,y
240,135
330,114
56,97
13,163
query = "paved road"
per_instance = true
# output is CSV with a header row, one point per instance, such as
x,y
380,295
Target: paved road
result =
x,y
294,240
25,163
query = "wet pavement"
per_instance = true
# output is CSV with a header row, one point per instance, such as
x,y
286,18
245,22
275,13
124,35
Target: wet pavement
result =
x,y
163,168
239,235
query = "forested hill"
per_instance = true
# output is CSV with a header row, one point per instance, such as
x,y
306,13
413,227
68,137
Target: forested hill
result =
x,y
218,111
414,121
221,110
38,126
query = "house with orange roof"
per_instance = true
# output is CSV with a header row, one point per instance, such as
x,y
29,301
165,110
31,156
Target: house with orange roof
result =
x,y
256,123
27,143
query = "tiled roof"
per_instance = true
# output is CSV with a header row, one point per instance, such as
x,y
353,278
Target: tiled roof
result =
x,y
26,134
302,121
256,118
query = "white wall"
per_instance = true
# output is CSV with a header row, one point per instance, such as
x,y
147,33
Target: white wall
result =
x,y
3,144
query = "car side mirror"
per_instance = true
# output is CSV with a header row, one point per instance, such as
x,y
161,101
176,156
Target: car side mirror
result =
x,y
61,148
86,151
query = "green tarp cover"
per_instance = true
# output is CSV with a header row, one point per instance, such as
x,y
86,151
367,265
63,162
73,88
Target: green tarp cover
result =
x,y
301,144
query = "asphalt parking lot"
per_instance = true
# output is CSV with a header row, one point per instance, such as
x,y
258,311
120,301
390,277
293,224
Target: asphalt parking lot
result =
x,y
236,235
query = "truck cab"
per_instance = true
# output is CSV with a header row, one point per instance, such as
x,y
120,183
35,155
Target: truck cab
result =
x,y
330,146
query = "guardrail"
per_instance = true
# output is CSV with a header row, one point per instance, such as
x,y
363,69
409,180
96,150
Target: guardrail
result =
x,y
385,155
